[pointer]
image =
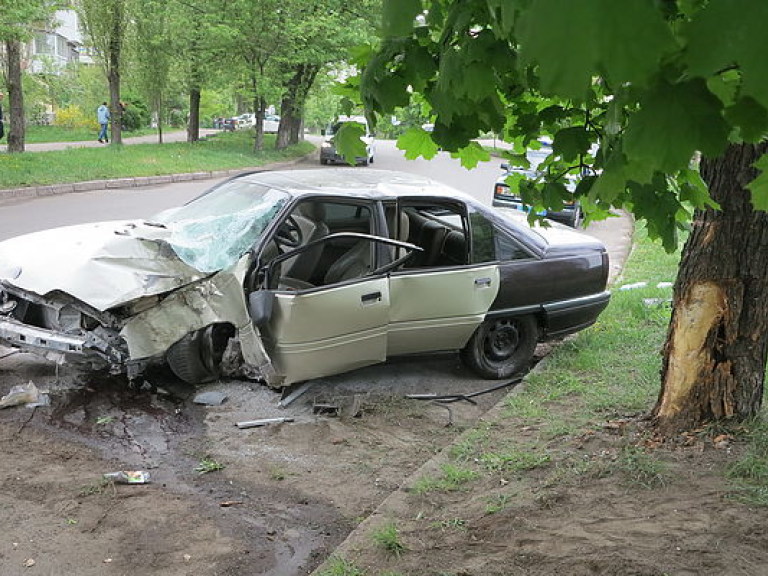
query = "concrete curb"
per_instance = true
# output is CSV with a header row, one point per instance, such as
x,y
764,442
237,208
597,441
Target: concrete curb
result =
x,y
396,501
21,194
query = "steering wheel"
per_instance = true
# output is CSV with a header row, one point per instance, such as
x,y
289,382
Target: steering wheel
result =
x,y
289,234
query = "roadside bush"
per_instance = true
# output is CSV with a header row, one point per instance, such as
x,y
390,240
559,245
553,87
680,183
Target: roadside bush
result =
x,y
74,117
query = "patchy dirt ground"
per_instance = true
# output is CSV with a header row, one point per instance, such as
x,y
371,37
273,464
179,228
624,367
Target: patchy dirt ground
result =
x,y
289,494
581,513
285,496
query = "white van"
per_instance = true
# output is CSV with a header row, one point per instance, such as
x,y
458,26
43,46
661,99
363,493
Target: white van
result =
x,y
328,154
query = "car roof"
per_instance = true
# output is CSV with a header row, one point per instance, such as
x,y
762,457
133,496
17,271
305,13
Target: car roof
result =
x,y
365,183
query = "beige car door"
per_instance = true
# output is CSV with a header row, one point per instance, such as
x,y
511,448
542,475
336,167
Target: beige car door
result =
x,y
433,310
329,330
438,299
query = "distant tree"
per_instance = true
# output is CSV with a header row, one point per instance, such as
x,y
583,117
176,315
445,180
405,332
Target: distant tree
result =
x,y
649,85
319,32
153,54
106,24
18,19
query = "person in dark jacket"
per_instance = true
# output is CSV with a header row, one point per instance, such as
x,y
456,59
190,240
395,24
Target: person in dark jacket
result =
x,y
2,126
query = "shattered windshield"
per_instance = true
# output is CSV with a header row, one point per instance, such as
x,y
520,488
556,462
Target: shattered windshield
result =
x,y
213,231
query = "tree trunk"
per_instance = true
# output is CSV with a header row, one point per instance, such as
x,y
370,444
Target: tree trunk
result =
x,y
15,113
113,77
715,353
292,105
193,125
260,106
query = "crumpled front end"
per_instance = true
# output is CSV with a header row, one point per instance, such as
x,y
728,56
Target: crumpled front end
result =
x,y
61,329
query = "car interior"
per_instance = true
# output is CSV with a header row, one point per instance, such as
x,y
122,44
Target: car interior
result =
x,y
439,230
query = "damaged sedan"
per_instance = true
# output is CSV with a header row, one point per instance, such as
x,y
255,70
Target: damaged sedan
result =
x,y
288,276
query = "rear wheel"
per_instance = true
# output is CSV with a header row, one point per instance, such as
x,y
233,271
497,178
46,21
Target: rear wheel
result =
x,y
502,347
196,358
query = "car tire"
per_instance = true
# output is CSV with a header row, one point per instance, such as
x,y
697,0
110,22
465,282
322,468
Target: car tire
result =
x,y
324,161
196,358
502,347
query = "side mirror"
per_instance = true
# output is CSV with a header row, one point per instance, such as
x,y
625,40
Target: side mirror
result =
x,y
322,132
260,305
505,166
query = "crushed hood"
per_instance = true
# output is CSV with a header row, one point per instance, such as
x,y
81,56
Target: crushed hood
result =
x,y
103,264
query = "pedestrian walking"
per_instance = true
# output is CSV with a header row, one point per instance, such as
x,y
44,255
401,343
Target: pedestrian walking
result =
x,y
102,114
2,126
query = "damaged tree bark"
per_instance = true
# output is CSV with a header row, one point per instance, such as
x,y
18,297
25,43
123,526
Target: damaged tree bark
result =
x,y
715,354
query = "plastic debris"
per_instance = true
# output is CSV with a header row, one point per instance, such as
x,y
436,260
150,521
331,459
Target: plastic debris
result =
x,y
664,285
657,302
293,394
262,422
128,477
210,398
22,394
633,286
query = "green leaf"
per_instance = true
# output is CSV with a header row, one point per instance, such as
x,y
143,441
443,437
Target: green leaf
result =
x,y
573,42
694,190
348,141
398,16
570,143
417,142
750,117
727,34
674,121
472,154
759,186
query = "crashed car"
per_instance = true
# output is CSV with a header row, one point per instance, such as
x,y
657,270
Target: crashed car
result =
x,y
295,275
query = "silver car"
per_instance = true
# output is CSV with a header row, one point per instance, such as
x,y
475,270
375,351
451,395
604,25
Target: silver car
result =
x,y
288,276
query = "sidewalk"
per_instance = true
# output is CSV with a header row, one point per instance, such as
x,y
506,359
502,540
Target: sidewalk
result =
x,y
174,136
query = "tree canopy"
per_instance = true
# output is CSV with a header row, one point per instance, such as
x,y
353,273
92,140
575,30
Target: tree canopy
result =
x,y
650,83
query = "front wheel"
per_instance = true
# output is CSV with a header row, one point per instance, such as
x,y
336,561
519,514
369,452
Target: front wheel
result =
x,y
196,358
502,347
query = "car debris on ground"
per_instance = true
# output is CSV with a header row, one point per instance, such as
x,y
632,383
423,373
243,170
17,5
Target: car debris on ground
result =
x,y
128,477
24,394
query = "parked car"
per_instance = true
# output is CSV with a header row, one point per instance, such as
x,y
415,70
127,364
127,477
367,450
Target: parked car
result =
x,y
294,275
245,121
503,196
328,153
271,123
229,124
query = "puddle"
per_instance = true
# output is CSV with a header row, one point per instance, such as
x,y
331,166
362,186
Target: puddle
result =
x,y
137,427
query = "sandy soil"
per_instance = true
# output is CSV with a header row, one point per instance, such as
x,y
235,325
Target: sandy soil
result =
x,y
288,495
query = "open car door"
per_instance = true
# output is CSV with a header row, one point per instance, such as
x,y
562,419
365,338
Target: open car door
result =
x,y
315,331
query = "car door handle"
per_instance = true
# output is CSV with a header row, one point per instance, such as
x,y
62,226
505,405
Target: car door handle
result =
x,y
371,298
482,282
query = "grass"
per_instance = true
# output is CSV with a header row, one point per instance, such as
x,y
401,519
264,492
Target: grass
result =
x,y
453,478
207,465
338,566
226,151
388,538
749,474
641,468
